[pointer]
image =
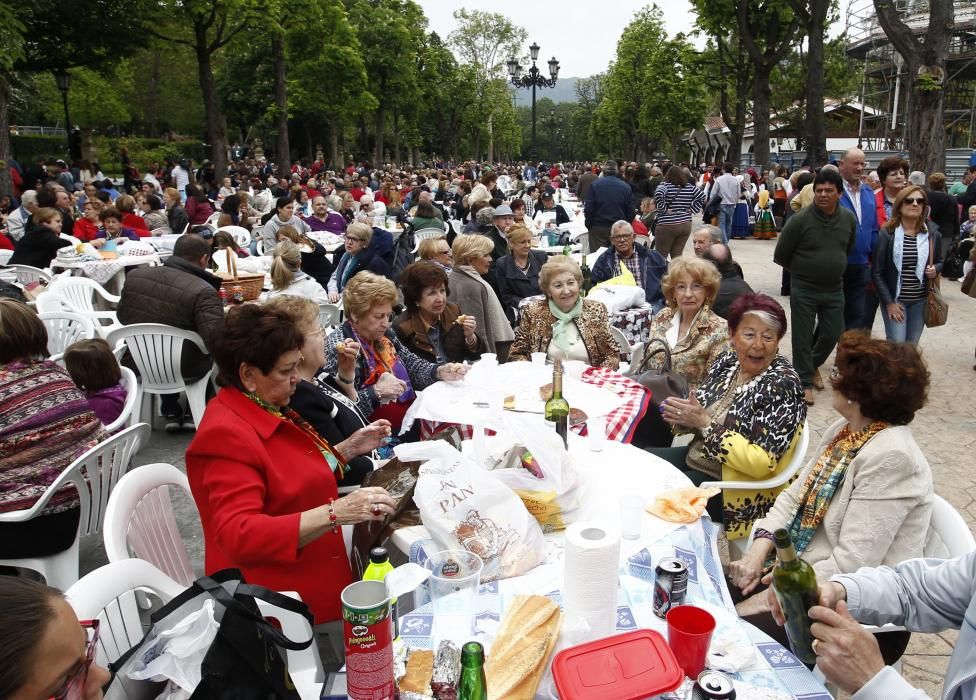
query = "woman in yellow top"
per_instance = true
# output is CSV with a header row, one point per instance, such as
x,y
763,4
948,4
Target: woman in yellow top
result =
x,y
745,417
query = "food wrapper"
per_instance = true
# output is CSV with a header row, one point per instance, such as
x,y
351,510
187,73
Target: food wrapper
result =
x,y
685,505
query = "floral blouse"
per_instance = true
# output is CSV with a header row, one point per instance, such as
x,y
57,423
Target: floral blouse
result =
x,y
705,342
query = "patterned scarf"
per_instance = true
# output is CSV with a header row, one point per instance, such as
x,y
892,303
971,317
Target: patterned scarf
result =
x,y
336,463
564,320
823,480
381,357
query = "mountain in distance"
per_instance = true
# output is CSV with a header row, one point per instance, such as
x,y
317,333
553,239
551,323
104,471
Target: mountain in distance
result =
x,y
565,91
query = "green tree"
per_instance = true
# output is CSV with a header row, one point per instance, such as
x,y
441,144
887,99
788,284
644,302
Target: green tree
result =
x,y
11,52
446,90
653,91
206,26
485,41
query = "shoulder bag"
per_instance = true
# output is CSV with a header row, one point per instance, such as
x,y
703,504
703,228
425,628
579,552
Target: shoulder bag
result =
x,y
663,383
936,308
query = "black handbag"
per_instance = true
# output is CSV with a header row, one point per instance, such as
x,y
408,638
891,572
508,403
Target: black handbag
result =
x,y
663,383
243,661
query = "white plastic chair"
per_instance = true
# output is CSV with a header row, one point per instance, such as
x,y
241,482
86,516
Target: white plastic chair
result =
x,y
241,235
622,342
63,329
107,594
70,238
139,521
5,256
779,478
949,536
156,349
583,238
133,395
423,234
642,240
212,220
25,274
78,294
457,226
94,475
329,315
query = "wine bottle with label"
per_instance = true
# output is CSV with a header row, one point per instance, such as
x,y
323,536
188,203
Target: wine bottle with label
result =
x,y
795,585
557,408
472,684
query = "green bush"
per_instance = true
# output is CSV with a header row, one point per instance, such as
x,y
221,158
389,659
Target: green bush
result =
x,y
142,151
28,148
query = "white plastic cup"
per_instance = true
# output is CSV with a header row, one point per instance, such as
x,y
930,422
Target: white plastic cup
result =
x,y
489,358
596,430
631,516
538,358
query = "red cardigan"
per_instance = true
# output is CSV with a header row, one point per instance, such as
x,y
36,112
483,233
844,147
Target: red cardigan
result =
x,y
250,502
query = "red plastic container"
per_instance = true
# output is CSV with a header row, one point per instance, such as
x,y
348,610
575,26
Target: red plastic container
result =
x,y
627,666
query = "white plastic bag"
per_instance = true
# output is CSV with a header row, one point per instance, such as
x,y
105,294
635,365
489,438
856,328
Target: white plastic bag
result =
x,y
618,297
546,478
466,507
176,654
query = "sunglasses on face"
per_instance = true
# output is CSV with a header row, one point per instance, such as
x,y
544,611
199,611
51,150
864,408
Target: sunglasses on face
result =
x,y
914,200
74,685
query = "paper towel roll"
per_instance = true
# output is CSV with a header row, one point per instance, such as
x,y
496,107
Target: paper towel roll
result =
x,y
591,560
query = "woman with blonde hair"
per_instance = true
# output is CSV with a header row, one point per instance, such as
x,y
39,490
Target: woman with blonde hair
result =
x,y
287,276
468,289
437,250
564,325
358,256
518,271
315,262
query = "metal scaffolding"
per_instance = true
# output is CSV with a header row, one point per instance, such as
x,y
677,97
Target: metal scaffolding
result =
x,y
884,74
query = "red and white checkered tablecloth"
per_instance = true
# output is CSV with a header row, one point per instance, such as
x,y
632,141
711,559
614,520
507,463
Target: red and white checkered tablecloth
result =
x,y
621,422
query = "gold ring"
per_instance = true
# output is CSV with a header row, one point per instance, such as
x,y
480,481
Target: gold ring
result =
x,y
677,413
815,646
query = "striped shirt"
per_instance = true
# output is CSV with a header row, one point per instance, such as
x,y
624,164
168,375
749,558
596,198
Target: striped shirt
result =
x,y
911,288
676,205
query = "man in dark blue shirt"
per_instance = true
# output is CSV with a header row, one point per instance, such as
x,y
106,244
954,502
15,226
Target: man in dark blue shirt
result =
x,y
609,201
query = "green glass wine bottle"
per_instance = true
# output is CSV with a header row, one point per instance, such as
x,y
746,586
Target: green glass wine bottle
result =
x,y
472,684
795,585
557,408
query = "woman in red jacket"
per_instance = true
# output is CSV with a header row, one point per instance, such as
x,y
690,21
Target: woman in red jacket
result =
x,y
263,480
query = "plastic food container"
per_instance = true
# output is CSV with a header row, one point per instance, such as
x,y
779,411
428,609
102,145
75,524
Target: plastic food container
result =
x,y
627,666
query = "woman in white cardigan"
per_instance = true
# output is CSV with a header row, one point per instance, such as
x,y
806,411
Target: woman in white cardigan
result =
x,y
865,499
287,276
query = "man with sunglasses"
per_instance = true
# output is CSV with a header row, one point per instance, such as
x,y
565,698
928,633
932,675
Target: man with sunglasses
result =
x,y
814,246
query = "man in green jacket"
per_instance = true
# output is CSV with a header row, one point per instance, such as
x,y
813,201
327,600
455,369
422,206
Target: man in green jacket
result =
x,y
814,246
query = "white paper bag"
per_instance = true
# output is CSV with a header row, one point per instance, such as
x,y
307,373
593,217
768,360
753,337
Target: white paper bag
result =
x,y
466,507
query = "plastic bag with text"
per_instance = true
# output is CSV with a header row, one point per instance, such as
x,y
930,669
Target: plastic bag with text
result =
x,y
466,507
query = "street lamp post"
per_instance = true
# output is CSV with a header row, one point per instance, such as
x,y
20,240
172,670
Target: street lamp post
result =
x,y
533,79
64,84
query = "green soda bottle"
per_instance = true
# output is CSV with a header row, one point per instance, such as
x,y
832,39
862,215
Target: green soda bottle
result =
x,y
472,684
795,585
379,567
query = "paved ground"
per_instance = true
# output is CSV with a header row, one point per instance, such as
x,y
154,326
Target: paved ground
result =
x,y
945,429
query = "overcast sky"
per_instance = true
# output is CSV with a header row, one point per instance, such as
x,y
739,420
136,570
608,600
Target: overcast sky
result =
x,y
582,34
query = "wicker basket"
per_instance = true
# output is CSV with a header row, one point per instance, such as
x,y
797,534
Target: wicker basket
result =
x,y
249,284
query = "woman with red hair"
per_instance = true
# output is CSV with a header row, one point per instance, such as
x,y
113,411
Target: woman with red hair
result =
x,y
745,417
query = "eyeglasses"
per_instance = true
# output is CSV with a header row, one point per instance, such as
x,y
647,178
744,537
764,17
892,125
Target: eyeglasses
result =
x,y
694,287
354,238
623,237
914,200
445,252
74,685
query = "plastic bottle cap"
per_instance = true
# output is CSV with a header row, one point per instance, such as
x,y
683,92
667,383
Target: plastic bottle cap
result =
x,y
378,555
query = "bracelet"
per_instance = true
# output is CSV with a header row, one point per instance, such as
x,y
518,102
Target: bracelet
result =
x,y
706,431
344,380
333,520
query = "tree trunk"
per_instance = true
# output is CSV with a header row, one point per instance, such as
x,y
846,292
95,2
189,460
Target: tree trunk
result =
x,y
6,186
334,162
380,128
491,140
216,132
926,132
477,144
760,116
816,129
152,93
415,157
396,138
282,150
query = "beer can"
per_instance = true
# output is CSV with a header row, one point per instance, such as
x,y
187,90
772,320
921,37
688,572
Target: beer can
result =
x,y
712,685
223,295
670,585
368,636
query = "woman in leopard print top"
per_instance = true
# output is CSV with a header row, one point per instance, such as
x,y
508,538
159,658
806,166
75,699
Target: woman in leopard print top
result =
x,y
746,416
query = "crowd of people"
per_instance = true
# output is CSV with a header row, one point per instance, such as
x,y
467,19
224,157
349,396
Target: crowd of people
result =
x,y
301,409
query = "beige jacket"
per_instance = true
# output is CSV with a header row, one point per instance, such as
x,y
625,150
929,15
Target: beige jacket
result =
x,y
879,514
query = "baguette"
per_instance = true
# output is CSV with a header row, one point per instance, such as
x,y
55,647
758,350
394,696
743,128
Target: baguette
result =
x,y
523,644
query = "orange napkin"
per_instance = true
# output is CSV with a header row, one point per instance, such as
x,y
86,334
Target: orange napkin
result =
x,y
682,505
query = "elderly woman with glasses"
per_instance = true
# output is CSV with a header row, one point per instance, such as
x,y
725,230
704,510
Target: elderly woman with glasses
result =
x,y
387,374
358,256
430,326
264,480
45,652
745,417
518,272
900,266
564,325
865,498
437,250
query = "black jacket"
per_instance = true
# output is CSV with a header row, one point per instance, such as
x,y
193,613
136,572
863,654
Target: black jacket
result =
x,y
883,270
178,220
610,200
945,213
730,289
317,266
37,247
332,419
180,294
513,284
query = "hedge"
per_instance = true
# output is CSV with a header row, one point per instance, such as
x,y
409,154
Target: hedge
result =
x,y
142,151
